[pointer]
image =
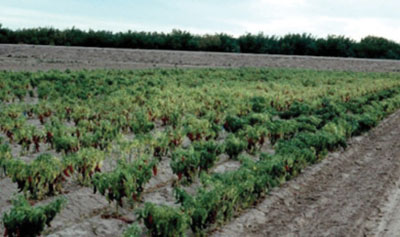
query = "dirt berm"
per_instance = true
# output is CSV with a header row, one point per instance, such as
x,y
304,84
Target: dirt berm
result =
x,y
33,58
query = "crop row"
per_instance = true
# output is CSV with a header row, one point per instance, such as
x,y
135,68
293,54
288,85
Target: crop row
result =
x,y
189,117
223,195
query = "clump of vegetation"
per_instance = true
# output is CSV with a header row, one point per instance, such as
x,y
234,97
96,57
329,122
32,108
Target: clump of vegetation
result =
x,y
234,146
133,230
163,220
26,220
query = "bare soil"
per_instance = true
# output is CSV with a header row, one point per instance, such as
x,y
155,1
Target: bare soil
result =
x,y
33,58
355,192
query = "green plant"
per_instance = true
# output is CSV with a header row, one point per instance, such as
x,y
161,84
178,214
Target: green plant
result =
x,y
41,177
255,136
26,220
234,146
87,161
127,180
233,123
65,142
140,123
160,144
185,163
5,156
209,152
163,220
133,230
258,104
196,129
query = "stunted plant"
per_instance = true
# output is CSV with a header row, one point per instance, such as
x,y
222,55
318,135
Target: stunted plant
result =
x,y
162,220
26,220
127,180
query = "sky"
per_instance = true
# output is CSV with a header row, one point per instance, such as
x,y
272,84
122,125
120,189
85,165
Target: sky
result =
x,y
352,18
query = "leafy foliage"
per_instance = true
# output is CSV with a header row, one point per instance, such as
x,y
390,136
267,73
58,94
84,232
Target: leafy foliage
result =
x,y
127,180
25,220
41,177
133,230
234,146
185,163
163,220
87,162
209,152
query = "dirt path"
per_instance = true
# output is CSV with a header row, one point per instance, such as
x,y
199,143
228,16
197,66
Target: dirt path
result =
x,y
351,193
33,58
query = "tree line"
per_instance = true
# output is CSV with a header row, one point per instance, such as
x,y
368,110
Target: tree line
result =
x,y
290,44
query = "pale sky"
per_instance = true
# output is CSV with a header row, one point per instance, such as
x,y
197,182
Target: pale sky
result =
x,y
352,18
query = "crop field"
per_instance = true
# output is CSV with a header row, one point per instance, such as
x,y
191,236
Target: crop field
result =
x,y
169,152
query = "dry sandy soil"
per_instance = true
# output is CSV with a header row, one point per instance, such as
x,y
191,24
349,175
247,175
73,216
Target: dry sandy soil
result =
x,y
355,192
32,58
